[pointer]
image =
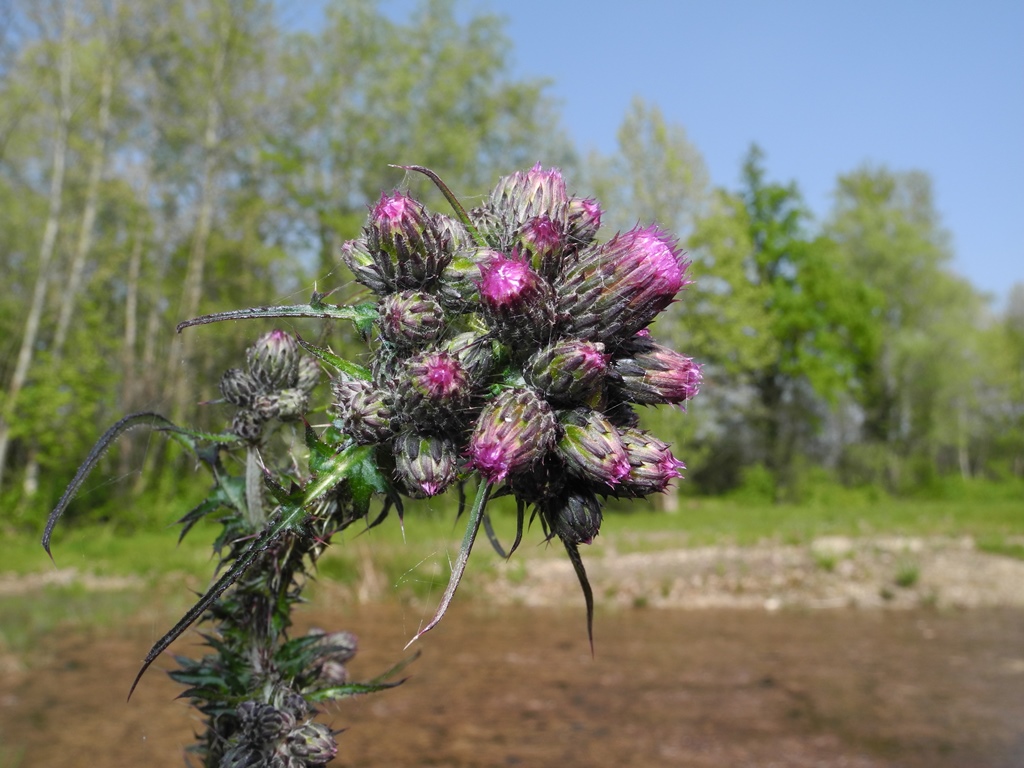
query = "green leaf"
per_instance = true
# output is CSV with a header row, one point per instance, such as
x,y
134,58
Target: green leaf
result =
x,y
343,365
338,469
475,516
364,480
288,518
453,201
360,314
131,421
588,593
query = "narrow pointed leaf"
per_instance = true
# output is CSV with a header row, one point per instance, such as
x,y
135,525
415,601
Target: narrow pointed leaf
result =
x,y
588,593
473,526
453,201
351,689
520,515
493,537
396,669
131,421
288,518
357,314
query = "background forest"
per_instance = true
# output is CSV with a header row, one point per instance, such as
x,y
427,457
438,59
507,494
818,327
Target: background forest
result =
x,y
163,160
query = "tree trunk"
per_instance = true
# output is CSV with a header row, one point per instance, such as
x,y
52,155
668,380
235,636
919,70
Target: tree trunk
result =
x,y
46,247
180,358
73,286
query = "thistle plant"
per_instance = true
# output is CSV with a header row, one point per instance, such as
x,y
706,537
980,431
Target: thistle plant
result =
x,y
509,348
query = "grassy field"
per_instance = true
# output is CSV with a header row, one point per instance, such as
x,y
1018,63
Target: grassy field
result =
x,y
415,562
996,524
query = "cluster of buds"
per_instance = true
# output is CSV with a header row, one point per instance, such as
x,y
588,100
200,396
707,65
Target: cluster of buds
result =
x,y
511,343
276,385
273,736
282,732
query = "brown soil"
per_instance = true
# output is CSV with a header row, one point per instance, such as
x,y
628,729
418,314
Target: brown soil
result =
x,y
515,684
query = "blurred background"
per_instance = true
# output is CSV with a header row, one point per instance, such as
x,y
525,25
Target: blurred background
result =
x,y
846,181
844,177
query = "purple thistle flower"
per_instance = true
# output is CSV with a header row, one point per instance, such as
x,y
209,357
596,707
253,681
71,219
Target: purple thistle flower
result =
x,y
526,194
477,352
406,246
584,220
652,465
515,298
393,212
543,241
650,374
505,283
513,433
433,388
591,448
615,289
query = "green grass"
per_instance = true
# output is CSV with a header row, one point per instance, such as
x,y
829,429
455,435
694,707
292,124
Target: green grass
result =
x,y
702,521
416,566
432,536
103,551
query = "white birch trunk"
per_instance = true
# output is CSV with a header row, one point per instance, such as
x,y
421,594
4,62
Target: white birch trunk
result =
x,y
46,247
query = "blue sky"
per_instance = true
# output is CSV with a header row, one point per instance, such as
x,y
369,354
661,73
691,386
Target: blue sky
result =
x,y
822,87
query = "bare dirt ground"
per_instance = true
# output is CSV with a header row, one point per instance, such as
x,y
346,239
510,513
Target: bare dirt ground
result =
x,y
845,654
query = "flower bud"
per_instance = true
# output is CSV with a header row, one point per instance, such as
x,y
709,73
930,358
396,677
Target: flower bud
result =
x,y
652,465
248,426
405,243
453,235
542,240
364,412
410,318
590,447
535,192
274,360
613,290
516,299
478,354
309,373
273,724
458,288
425,464
332,674
514,432
568,370
313,742
340,646
238,387
433,387
285,404
584,221
574,515
651,374
357,257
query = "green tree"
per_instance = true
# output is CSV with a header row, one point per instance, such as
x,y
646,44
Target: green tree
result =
x,y
656,175
920,394
781,328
